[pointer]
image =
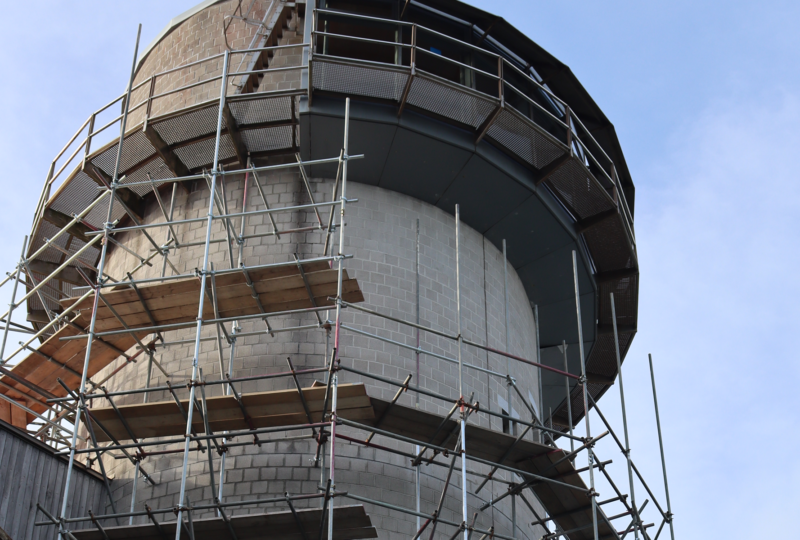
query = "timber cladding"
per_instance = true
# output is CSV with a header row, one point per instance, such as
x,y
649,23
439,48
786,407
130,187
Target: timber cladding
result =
x,y
32,474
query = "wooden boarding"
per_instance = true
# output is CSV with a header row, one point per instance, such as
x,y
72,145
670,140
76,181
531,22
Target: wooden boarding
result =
x,y
11,414
570,508
278,288
69,356
266,409
349,523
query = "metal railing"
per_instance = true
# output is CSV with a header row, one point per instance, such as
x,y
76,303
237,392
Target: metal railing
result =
x,y
58,166
549,113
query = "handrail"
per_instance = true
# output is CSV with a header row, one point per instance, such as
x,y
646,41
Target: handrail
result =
x,y
53,176
533,102
581,139
585,139
362,17
462,64
362,39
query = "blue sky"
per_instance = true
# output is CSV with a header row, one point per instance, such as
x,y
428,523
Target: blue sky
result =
x,y
705,98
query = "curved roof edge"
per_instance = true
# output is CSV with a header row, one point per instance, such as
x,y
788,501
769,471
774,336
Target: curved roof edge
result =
x,y
558,75
171,25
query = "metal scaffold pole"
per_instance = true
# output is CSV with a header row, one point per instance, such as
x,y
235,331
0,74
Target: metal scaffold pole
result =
x,y
201,304
339,292
107,227
508,382
585,383
150,307
464,510
569,394
416,355
332,467
637,522
11,305
661,447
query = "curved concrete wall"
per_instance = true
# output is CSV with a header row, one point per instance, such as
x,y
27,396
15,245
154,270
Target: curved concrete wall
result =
x,y
202,36
381,234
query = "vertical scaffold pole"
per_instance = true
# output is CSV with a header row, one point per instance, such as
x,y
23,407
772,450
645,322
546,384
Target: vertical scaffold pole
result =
x,y
133,493
464,511
661,447
107,226
332,468
341,226
508,382
11,306
584,382
539,373
636,520
234,330
339,292
569,395
416,353
201,302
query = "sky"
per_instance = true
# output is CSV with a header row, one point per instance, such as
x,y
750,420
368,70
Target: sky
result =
x,y
705,98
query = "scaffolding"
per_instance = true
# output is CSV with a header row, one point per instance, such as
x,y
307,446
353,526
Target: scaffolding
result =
x,y
536,472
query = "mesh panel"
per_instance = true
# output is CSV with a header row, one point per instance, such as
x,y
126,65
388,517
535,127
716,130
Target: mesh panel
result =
x,y
156,168
603,359
135,149
359,80
521,137
626,299
97,216
188,126
608,245
76,195
48,230
262,140
202,153
595,390
449,102
578,190
256,111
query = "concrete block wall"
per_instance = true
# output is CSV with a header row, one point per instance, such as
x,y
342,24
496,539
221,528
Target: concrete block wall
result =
x,y
201,36
381,234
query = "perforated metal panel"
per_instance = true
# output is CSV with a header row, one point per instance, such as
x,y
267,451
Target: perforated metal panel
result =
x,y
187,126
359,80
443,100
97,215
76,195
263,140
608,245
626,292
258,110
135,149
520,136
201,153
156,168
579,191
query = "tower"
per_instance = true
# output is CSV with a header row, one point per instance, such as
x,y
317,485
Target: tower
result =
x,y
339,249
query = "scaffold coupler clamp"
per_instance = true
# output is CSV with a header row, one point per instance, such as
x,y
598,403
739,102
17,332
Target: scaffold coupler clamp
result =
x,y
181,508
322,437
